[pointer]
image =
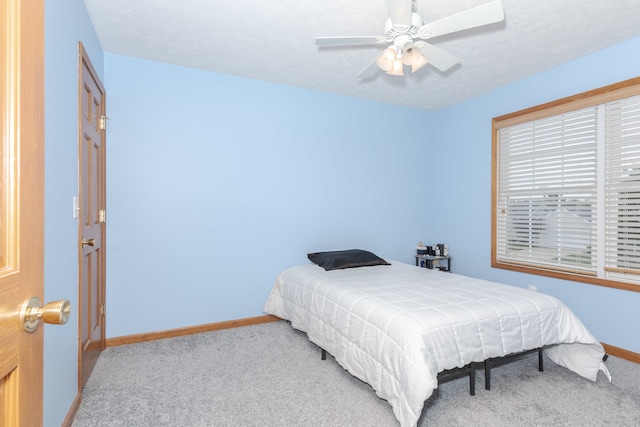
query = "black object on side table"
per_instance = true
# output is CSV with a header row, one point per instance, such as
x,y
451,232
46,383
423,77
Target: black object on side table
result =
x,y
427,261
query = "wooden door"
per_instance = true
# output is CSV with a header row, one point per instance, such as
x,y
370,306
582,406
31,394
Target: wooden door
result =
x,y
92,217
21,207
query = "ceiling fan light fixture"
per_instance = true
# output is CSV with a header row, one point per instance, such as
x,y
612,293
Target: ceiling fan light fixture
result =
x,y
421,62
411,55
387,59
396,70
407,34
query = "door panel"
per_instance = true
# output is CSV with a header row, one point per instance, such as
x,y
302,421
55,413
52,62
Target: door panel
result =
x,y
92,225
21,207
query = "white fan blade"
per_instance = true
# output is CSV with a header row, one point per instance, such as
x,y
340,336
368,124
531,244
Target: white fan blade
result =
x,y
371,69
475,17
349,41
400,12
437,57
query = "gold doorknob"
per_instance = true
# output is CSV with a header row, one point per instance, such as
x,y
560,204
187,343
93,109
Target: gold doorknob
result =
x,y
90,242
54,312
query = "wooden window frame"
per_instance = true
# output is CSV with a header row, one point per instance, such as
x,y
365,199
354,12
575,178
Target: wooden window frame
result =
x,y
621,90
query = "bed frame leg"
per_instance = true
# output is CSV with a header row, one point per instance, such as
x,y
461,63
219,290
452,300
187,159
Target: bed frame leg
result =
x,y
487,367
540,363
472,379
487,375
324,354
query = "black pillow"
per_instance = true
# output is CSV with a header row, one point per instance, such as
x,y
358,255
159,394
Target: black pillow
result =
x,y
351,258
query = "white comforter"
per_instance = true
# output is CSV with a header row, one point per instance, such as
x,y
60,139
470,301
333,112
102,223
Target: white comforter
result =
x,y
397,326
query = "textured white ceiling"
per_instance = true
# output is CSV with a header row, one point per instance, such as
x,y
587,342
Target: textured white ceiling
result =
x,y
275,41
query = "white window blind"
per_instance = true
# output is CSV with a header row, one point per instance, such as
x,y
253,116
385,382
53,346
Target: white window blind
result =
x,y
622,181
547,193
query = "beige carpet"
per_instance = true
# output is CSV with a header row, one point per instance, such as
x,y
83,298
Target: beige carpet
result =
x,y
271,375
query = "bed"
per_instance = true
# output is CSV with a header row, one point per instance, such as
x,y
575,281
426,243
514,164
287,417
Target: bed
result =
x,y
397,326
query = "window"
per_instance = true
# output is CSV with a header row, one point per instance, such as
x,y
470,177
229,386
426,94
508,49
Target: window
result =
x,y
566,188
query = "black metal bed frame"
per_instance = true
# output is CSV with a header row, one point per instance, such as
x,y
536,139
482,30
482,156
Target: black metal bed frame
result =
x,y
446,375
496,361
470,369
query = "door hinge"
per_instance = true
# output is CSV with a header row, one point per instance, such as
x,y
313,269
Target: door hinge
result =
x,y
102,215
101,309
103,122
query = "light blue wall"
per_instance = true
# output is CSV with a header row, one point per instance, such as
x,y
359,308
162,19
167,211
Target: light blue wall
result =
x,y
217,183
463,135
64,27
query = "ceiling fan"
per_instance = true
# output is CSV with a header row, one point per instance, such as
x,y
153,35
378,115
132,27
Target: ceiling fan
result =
x,y
406,35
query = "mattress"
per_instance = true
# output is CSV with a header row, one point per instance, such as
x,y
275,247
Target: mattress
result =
x,y
397,326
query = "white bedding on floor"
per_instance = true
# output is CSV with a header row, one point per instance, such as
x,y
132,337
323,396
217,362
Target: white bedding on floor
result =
x,y
397,326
